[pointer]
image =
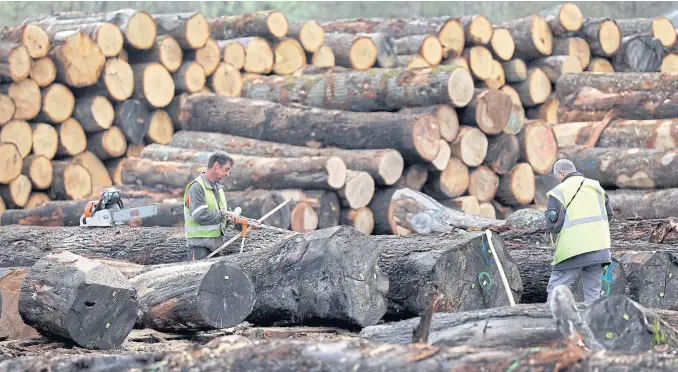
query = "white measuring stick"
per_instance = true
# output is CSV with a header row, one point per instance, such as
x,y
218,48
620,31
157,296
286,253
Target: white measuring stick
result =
x,y
259,220
488,233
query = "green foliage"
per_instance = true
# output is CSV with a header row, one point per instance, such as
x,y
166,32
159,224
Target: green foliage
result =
x,y
659,337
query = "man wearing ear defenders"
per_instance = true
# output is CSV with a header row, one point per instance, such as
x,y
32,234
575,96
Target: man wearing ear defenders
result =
x,y
578,218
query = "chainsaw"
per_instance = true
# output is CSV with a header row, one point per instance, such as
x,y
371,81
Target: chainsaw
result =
x,y
110,211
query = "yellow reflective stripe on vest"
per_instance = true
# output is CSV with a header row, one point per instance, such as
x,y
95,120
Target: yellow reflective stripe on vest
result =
x,y
579,221
192,229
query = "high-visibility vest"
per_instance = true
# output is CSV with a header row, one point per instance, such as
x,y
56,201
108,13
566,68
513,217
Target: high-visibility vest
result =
x,y
586,228
192,229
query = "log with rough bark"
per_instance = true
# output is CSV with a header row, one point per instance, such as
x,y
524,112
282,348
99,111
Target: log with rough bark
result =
x,y
385,166
133,118
638,53
411,62
451,182
479,60
602,34
517,186
57,104
538,146
361,219
357,191
45,140
535,89
544,184
38,169
208,56
268,23
651,134
466,204
78,61
660,28
515,70
94,113
7,109
600,65
589,104
165,51
502,44
650,277
358,52
573,46
116,82
53,213
107,144
69,181
421,214
556,66
426,46
153,84
643,204
470,146
26,97
256,203
19,133
532,36
563,19
416,137
320,172
12,327
617,83
15,193
547,111
15,62
448,120
190,77
72,297
419,267
107,36
414,176
190,30
373,90
193,296
489,110
503,153
310,34
11,162
483,184
32,37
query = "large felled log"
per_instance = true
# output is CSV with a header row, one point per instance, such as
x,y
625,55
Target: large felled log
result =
x,y
427,46
353,51
602,34
26,96
310,34
15,193
116,82
422,214
650,276
535,89
107,36
503,153
269,23
375,90
470,146
15,62
517,186
651,134
160,128
190,30
165,51
489,110
70,181
19,133
573,46
643,204
532,36
617,83
153,84
78,60
322,172
107,144
55,213
451,182
475,283
226,81
448,120
416,137
660,28
385,166
57,104
479,60
638,54
538,146
133,118
563,19
94,113
193,296
12,327
32,37
69,296
589,104
556,66
11,162
502,44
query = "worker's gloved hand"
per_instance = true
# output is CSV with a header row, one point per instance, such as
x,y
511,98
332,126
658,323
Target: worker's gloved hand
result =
x,y
231,217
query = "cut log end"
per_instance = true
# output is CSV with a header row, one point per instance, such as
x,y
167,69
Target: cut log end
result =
x,y
36,41
258,56
362,219
234,54
443,157
77,181
503,44
7,109
108,144
336,170
79,61
170,53
39,170
103,112
45,140
110,39
570,65
289,57
141,31
277,24
225,296
448,120
466,204
518,187
542,38
479,30
493,111
226,81
609,37
118,78
190,78
600,65
363,53
454,180
11,162
324,57
358,190
487,210
516,118
161,129
20,133
536,89
540,148
197,31
431,50
480,61
570,17
497,79
158,85
312,36
483,184
451,36
57,103
580,48
470,146
426,136
664,30
72,138
209,56
460,87
515,70
16,193
37,199
669,63
27,99
43,71
391,167
303,218
20,63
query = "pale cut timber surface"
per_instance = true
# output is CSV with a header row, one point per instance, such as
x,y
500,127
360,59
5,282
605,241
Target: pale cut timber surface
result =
x,y
15,61
448,119
57,104
477,28
451,182
34,38
374,90
479,59
660,28
538,146
43,71
289,56
503,153
233,52
547,111
94,113
310,34
72,138
78,60
116,82
166,51
532,36
517,187
489,110
7,109
11,162
600,65
535,89
19,133
651,134
502,44
573,46
470,146
602,34
189,78
108,36
265,23
556,66
208,56
564,18
70,181
190,30
26,96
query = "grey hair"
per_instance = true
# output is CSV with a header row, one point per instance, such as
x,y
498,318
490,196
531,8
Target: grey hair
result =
x,y
565,166
219,157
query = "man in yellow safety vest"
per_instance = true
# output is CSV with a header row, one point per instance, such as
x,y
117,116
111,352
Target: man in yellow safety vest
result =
x,y
206,214
578,218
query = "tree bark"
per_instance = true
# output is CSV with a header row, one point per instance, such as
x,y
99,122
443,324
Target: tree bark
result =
x,y
643,204
532,37
318,172
638,54
535,89
625,168
617,83
377,90
414,136
422,214
26,96
12,162
166,51
448,120
310,34
538,146
15,61
547,111
563,19
517,186
267,23
503,153
427,46
190,30
515,70
573,46
12,327
193,296
660,28
650,134
602,34
107,36
32,37
64,284
542,185
556,66
589,104
78,60
650,277
133,118
489,110
69,181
